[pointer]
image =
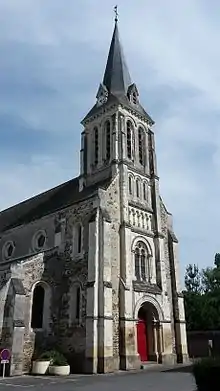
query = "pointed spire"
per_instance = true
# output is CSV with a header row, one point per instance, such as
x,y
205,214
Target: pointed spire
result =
x,y
116,78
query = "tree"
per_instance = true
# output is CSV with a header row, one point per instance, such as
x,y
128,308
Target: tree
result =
x,y
193,279
192,297
202,296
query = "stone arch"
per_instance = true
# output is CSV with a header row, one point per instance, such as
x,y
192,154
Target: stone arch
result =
x,y
151,300
104,120
128,118
141,239
40,304
130,183
149,317
141,125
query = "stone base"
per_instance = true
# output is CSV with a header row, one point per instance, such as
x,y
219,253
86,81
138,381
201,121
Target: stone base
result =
x,y
168,359
101,365
16,369
90,365
108,364
130,362
183,359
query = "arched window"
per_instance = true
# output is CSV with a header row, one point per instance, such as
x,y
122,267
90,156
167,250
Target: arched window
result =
x,y
130,184
78,239
144,191
108,139
40,311
129,140
141,145
137,188
37,307
96,145
142,263
75,303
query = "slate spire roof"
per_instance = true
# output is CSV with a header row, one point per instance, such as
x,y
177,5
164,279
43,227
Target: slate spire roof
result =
x,y
116,78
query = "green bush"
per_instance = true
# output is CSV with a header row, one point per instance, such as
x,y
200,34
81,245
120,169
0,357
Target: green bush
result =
x,y
206,373
59,360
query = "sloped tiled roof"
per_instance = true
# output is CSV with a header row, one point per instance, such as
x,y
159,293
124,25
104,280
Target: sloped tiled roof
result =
x,y
46,203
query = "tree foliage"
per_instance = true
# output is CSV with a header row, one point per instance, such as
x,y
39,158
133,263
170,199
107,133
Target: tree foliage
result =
x,y
202,296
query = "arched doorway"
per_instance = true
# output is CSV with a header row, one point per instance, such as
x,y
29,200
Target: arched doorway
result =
x,y
149,335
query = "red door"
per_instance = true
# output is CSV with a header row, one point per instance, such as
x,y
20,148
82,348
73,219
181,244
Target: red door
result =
x,y
142,340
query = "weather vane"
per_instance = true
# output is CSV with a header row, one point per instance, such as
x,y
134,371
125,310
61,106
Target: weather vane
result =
x,y
116,13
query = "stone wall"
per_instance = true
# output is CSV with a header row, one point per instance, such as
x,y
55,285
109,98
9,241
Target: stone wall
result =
x,y
59,268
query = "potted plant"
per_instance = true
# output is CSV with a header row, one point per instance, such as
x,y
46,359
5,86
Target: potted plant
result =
x,y
41,364
206,373
59,365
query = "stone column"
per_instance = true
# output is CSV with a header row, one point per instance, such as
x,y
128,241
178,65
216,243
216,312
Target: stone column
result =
x,y
17,346
105,322
91,353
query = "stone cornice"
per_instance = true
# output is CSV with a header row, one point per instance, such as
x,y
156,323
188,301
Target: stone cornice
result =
x,y
140,205
142,286
142,231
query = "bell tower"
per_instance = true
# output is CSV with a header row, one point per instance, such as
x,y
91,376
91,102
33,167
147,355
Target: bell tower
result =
x,y
107,140
118,144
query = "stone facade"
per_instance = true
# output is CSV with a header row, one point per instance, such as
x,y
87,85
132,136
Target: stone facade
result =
x,y
98,252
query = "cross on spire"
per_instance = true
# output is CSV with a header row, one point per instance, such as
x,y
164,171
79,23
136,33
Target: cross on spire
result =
x,y
116,13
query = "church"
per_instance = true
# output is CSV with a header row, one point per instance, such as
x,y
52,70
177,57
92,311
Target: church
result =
x,y
91,266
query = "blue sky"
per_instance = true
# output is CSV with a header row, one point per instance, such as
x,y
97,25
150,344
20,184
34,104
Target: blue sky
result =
x,y
52,59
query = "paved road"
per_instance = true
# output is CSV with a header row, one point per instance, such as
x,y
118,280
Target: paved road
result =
x,y
150,381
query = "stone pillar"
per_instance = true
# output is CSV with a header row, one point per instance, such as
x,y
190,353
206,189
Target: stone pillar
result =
x,y
161,277
17,345
91,353
168,355
129,358
181,337
177,301
105,321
